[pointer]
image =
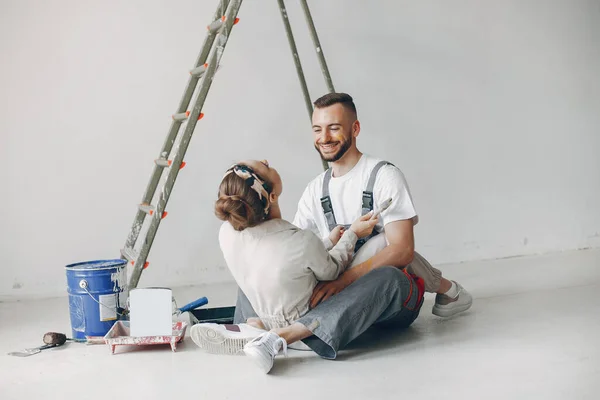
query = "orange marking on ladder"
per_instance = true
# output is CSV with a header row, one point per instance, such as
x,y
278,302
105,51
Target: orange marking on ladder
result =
x,y
205,65
236,21
223,18
164,215
187,114
182,165
170,162
145,264
151,212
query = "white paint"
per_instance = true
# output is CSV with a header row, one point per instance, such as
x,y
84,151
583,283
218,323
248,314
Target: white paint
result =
x,y
491,110
76,309
532,333
150,311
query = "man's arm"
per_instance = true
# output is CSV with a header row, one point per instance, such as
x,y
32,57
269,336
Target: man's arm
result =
x,y
398,219
398,253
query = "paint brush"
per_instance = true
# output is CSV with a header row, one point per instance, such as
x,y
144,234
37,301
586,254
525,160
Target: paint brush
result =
x,y
191,306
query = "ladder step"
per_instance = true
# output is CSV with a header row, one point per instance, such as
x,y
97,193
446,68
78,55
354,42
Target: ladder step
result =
x,y
184,116
199,71
129,254
216,25
149,209
163,162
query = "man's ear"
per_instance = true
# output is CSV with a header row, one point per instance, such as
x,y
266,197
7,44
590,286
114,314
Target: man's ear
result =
x,y
355,128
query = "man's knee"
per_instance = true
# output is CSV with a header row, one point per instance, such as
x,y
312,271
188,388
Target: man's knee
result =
x,y
423,269
389,280
387,274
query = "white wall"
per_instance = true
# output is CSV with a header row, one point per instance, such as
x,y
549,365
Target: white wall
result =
x,y
490,108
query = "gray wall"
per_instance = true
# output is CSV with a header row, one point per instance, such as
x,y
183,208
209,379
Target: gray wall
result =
x,y
490,108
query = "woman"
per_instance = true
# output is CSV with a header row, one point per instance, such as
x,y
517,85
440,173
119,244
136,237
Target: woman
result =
x,y
275,264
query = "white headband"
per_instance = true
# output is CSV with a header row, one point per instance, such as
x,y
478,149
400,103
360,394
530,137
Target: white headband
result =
x,y
253,181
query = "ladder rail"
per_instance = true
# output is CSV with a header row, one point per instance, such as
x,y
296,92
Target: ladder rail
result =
x,y
215,57
298,64
174,129
296,56
318,47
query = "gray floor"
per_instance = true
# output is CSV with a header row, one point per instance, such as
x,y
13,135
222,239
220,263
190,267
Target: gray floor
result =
x,y
533,333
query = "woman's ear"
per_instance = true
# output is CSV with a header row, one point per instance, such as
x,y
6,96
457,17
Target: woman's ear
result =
x,y
272,197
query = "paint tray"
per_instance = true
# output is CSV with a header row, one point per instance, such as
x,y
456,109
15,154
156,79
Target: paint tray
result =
x,y
217,315
119,335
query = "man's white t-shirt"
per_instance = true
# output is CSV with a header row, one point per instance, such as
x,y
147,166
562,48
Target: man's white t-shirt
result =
x,y
346,200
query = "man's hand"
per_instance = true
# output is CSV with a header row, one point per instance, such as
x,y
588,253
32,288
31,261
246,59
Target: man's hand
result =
x,y
325,290
336,234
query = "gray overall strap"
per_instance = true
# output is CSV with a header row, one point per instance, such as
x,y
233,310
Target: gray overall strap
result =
x,y
326,202
367,201
367,197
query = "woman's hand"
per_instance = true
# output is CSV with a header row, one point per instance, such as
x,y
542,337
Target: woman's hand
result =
x,y
364,225
336,234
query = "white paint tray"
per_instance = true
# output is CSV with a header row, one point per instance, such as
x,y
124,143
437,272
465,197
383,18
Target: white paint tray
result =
x,y
119,335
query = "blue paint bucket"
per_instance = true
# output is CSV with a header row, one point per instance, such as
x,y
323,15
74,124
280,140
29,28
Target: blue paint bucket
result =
x,y
97,295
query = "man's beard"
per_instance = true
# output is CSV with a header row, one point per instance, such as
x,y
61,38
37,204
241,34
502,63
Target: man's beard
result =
x,y
345,145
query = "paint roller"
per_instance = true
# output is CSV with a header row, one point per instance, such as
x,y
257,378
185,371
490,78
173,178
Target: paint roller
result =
x,y
51,339
58,339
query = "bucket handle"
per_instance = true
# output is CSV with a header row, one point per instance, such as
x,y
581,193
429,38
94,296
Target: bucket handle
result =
x,y
84,285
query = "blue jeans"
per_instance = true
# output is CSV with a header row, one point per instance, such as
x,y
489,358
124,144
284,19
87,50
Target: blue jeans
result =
x,y
385,296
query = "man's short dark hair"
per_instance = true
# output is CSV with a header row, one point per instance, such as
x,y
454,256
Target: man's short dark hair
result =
x,y
336,98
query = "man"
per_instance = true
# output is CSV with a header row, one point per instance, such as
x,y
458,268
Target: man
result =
x,y
353,185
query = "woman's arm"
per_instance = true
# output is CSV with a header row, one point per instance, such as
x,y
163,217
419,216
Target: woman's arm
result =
x,y
328,265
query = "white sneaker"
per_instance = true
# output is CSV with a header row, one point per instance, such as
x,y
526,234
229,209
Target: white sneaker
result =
x,y
223,339
263,349
446,306
299,346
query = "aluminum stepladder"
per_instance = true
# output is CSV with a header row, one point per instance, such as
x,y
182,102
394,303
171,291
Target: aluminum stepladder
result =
x,y
170,159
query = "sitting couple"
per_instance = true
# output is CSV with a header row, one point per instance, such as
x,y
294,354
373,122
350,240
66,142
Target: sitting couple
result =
x,y
342,266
